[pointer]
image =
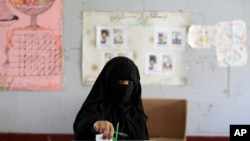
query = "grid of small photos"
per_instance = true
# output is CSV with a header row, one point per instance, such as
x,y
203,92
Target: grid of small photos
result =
x,y
113,41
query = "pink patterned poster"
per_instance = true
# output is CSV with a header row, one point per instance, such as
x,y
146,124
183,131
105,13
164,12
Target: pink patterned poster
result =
x,y
30,44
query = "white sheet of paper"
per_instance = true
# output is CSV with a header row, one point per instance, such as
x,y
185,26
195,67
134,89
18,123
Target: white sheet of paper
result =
x,y
230,47
98,137
200,36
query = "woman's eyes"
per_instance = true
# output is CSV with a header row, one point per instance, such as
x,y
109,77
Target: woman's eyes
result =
x,y
125,82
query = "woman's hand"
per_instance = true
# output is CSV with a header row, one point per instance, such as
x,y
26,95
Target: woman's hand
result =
x,y
104,127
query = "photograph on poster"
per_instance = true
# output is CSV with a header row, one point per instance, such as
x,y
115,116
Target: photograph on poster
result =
x,y
111,37
161,37
152,63
159,64
176,38
105,35
167,62
118,36
103,39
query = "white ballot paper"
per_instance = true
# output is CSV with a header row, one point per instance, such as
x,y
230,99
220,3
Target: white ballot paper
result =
x,y
98,137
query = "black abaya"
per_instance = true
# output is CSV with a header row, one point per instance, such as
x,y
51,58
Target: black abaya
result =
x,y
113,102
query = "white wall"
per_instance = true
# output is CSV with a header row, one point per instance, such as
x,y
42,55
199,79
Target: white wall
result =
x,y
217,96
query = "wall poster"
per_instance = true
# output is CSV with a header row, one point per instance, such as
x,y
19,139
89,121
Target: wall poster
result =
x,y
155,41
30,44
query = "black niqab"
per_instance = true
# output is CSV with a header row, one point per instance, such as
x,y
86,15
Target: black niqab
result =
x,y
111,101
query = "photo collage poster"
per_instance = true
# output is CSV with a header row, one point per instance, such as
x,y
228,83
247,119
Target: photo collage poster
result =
x,y
148,38
165,38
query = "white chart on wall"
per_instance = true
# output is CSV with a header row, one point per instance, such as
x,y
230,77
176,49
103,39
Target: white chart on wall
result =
x,y
137,35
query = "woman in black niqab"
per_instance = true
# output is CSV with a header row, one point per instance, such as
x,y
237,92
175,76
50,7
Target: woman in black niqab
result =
x,y
110,100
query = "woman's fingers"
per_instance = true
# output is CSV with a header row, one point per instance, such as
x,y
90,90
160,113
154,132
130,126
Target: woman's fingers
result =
x,y
104,127
109,131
